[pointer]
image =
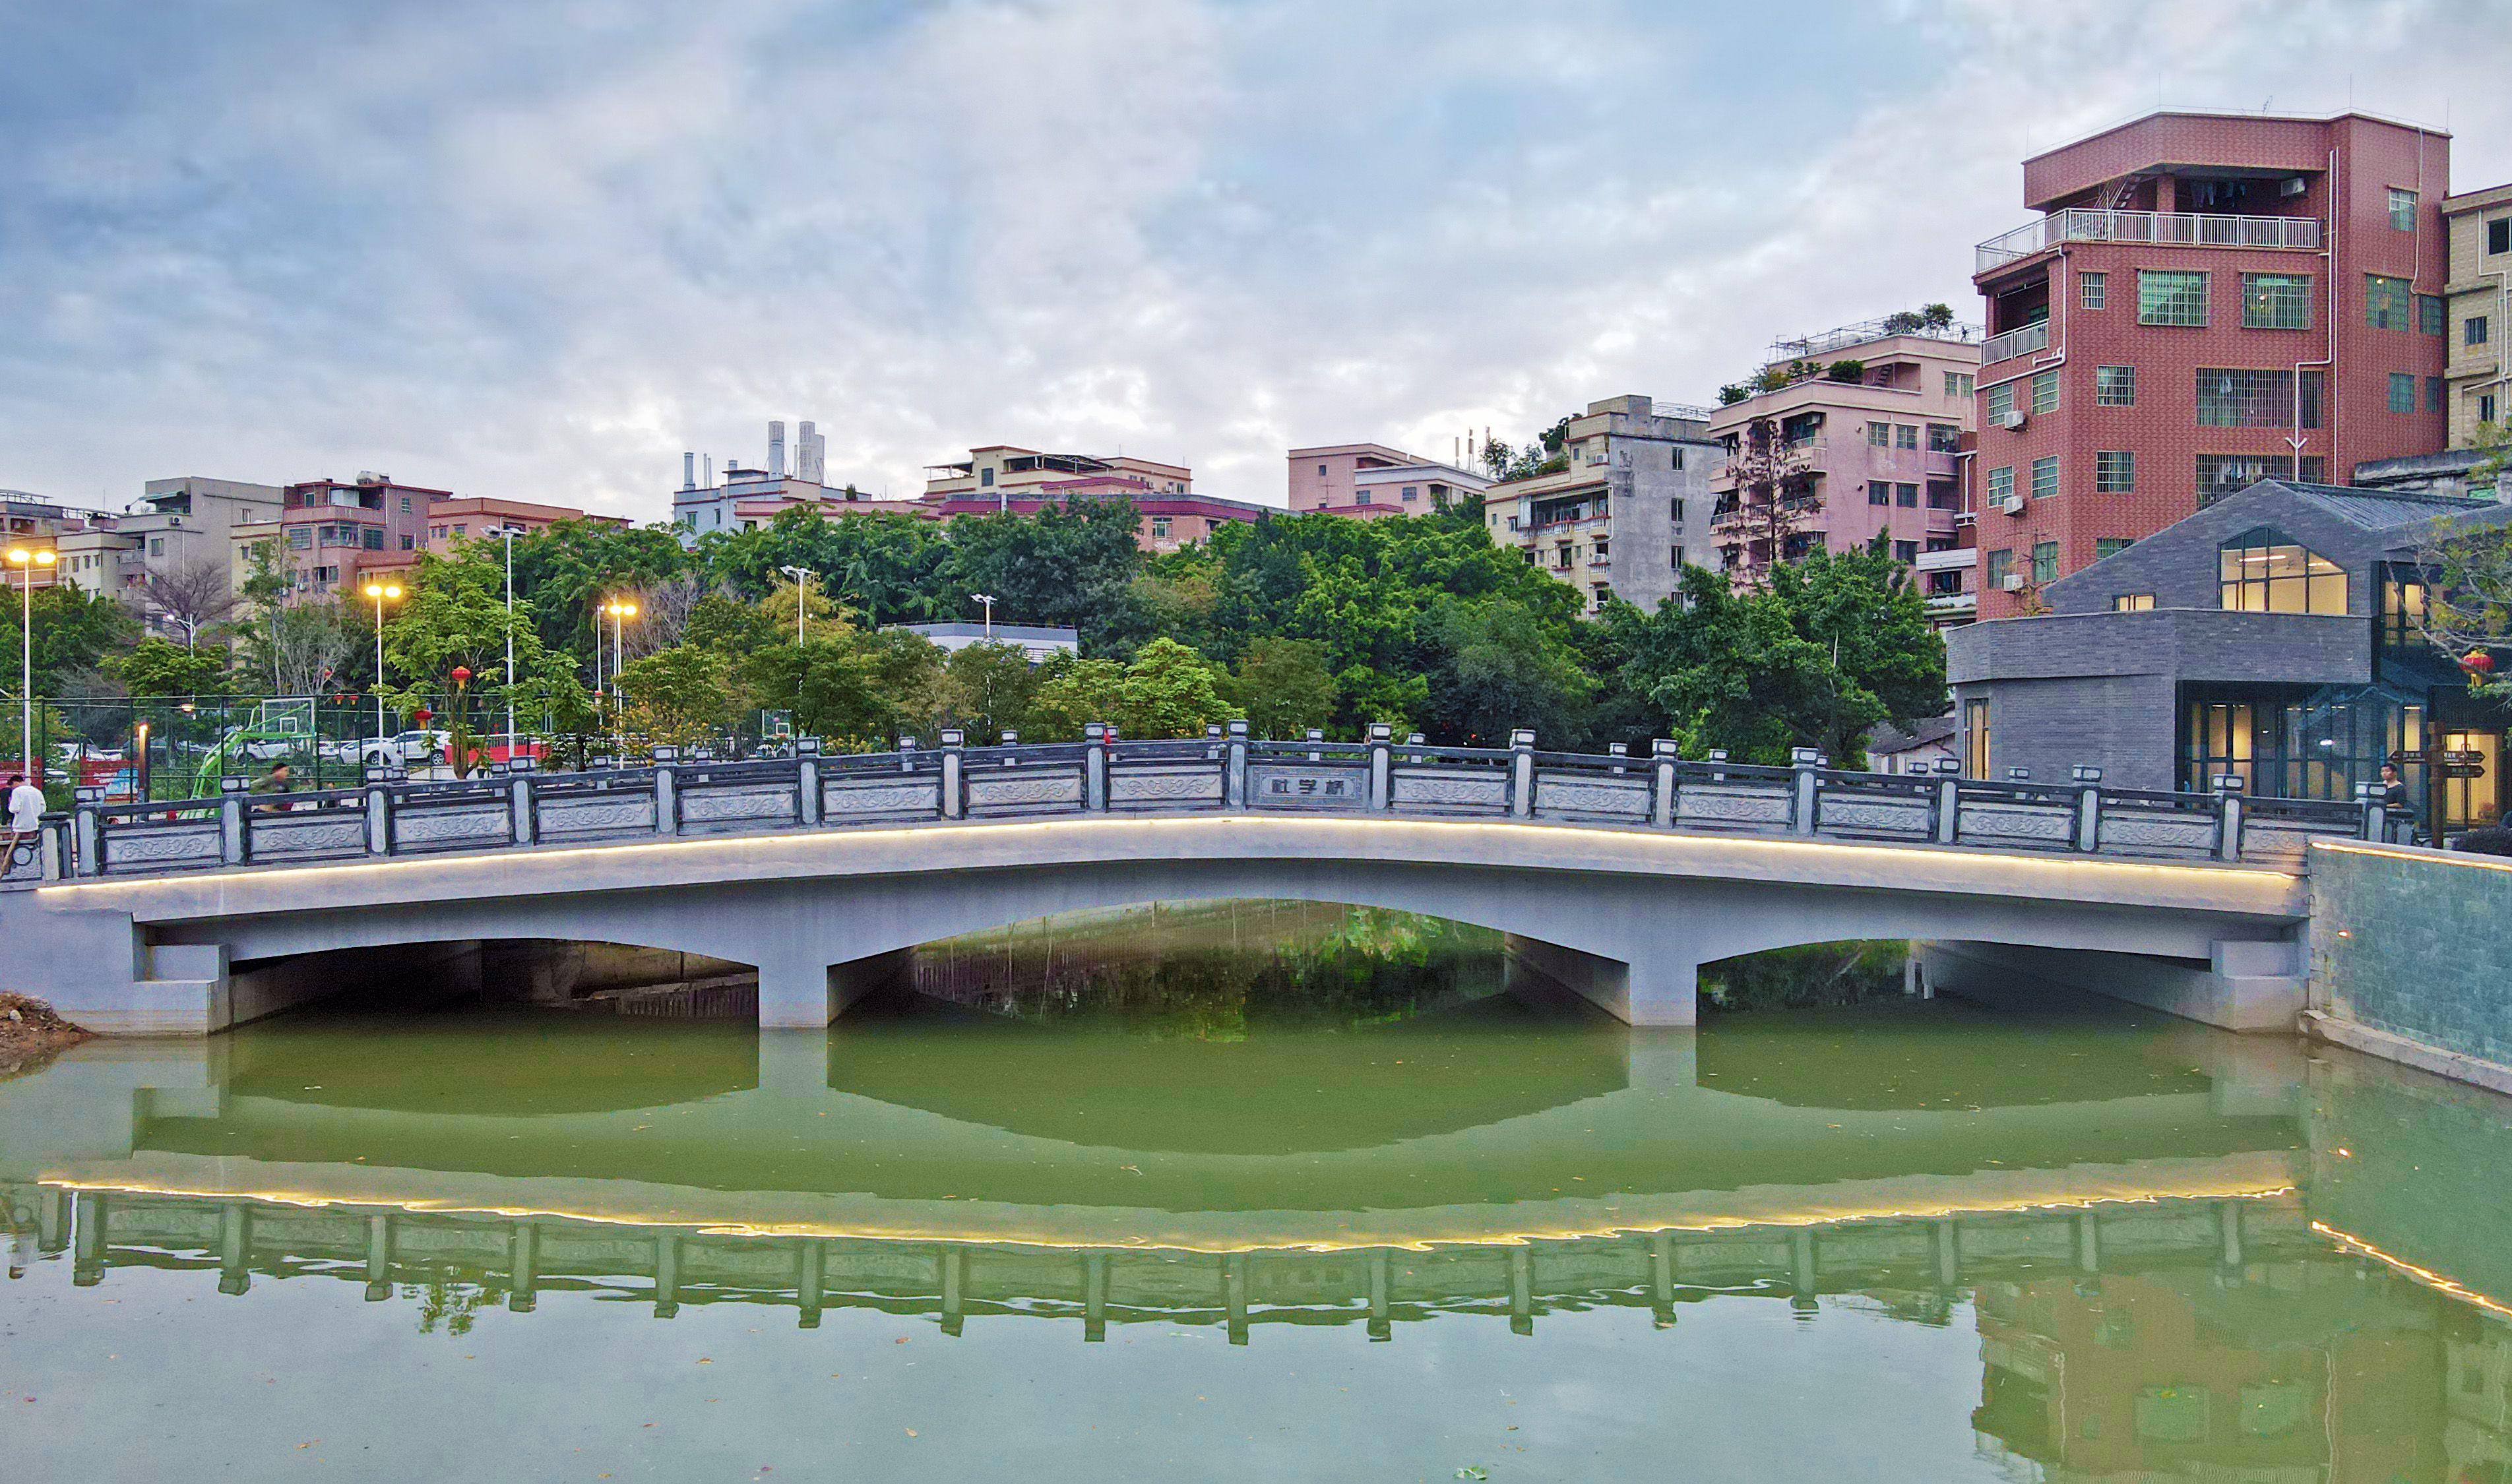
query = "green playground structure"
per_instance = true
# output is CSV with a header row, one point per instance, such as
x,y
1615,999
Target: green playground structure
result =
x,y
278,730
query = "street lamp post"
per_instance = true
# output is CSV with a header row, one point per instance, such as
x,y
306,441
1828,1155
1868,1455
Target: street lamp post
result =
x,y
802,593
379,592
509,532
620,611
28,560
989,601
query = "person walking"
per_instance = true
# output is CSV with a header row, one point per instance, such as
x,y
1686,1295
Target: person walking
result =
x,y
25,814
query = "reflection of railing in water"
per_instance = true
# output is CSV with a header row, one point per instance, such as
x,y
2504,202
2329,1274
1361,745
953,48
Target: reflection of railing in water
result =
x,y
519,1259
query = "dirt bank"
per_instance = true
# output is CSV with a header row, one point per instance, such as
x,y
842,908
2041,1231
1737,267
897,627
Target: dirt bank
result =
x,y
32,1034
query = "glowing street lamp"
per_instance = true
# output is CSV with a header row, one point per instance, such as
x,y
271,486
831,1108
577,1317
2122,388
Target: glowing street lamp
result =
x,y
379,591
28,560
620,611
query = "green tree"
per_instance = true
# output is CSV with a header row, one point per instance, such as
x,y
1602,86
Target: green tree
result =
x,y
454,616
680,696
1168,691
988,689
157,666
1497,669
1067,566
858,691
2468,597
564,571
1283,686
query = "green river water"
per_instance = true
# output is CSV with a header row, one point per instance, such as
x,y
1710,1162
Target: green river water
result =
x,y
1255,1194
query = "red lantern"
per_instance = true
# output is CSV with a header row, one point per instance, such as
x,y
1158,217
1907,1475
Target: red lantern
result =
x,y
461,675
2477,662
422,716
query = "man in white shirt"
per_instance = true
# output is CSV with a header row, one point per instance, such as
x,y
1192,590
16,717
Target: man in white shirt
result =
x,y
26,813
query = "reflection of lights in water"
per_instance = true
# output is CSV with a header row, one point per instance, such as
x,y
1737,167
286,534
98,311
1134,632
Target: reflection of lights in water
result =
x,y
2424,1275
1016,1237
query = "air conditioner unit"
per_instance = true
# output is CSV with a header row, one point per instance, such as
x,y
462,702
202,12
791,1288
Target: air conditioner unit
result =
x,y
2013,419
2013,584
2292,186
2012,504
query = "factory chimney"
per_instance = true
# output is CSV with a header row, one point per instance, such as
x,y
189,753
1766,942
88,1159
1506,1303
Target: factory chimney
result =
x,y
688,470
776,451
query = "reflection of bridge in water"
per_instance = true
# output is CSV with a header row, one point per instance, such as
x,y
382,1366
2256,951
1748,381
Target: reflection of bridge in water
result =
x,y
514,1259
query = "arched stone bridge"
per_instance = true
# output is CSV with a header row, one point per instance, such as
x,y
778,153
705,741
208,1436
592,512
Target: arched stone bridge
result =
x,y
1615,877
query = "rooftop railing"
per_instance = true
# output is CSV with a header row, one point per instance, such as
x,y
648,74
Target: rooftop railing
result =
x,y
2170,229
1841,338
1224,771
2020,341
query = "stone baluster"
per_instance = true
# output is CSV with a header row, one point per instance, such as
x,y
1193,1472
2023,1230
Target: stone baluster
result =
x,y
88,824
1381,767
2228,817
954,786
1234,778
1094,766
807,775
235,847
520,788
523,1264
2089,808
379,810
379,1240
55,848
1949,801
1807,762
1521,775
1664,755
1316,737
667,793
813,1286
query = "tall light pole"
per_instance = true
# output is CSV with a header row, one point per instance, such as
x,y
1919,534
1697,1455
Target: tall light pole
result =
x,y
620,611
802,593
379,592
509,532
989,601
28,560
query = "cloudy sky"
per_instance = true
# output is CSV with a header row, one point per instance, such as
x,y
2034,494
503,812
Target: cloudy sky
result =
x,y
537,250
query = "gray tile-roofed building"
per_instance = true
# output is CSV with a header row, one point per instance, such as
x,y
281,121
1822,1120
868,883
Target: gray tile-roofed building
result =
x,y
2174,660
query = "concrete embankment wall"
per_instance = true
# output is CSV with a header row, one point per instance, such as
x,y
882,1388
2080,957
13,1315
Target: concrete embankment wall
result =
x,y
2411,958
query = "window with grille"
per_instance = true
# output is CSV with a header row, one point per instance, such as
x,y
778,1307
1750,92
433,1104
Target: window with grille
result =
x,y
1879,493
2403,211
1943,438
2433,394
1906,496
2231,397
1906,552
2264,571
1879,435
2403,392
2107,547
2045,477
2219,475
2045,392
2114,386
2431,312
1959,383
2115,472
2001,401
2171,299
2472,331
1906,435
2090,289
2045,561
2001,483
2276,302
2385,302
2001,566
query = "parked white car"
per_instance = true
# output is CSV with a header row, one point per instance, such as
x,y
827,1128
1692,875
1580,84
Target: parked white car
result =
x,y
409,748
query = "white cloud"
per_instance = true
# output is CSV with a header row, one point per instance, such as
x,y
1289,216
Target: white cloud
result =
x,y
538,251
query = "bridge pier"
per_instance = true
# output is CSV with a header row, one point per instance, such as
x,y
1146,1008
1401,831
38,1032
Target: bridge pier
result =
x,y
1655,989
806,994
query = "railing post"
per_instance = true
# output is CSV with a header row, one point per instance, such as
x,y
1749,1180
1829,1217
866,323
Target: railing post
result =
x,y
2089,808
1233,775
1521,775
53,850
1949,801
952,769
1316,744
2228,817
667,799
1094,766
807,778
1663,753
234,848
2368,798
1382,760
379,831
1805,760
519,794
906,752
90,841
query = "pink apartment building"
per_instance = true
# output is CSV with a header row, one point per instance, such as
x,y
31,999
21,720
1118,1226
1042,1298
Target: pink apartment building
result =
x,y
1368,480
1881,454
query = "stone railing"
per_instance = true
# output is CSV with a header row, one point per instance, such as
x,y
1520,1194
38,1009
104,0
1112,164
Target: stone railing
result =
x,y
1226,770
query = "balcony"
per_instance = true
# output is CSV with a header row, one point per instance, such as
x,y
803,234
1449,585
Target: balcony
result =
x,y
2184,229
1948,561
2015,343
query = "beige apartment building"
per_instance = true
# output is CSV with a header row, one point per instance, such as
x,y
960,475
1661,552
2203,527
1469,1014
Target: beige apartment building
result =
x,y
1368,481
1630,511
2478,325
176,525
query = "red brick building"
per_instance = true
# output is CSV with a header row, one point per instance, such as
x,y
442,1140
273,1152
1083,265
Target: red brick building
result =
x,y
2209,300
